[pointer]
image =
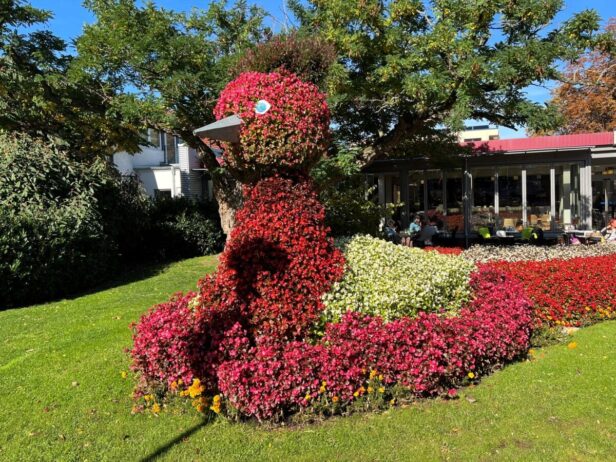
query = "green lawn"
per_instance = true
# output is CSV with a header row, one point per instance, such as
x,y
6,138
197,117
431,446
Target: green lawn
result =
x,y
562,406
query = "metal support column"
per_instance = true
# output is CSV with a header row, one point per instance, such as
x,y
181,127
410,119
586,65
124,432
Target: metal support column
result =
x,y
404,198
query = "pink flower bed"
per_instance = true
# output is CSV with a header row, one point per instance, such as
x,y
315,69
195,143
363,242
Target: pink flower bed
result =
x,y
428,355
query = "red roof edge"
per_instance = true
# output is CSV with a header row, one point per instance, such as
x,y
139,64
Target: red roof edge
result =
x,y
545,142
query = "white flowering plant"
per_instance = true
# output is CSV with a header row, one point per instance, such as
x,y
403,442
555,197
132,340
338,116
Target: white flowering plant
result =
x,y
485,254
392,281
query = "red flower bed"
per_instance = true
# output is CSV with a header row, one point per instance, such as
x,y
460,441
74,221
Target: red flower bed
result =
x,y
568,292
429,355
445,250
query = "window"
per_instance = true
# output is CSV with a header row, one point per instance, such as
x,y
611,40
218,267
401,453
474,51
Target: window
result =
x,y
162,194
171,152
538,195
154,137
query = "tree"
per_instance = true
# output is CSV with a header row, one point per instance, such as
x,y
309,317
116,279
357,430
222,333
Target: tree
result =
x,y
41,97
586,99
406,68
166,69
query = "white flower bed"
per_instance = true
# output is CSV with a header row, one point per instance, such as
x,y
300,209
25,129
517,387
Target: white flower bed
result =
x,y
484,254
393,281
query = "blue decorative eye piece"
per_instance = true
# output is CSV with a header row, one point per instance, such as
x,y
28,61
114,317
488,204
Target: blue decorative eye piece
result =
x,y
262,107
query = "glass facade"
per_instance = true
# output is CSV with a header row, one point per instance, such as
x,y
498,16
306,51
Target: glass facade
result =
x,y
554,195
539,196
510,206
483,181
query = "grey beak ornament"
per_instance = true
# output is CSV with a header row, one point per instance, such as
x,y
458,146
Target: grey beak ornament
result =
x,y
227,129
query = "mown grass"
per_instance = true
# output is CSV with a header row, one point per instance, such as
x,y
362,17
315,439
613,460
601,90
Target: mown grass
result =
x,y
560,406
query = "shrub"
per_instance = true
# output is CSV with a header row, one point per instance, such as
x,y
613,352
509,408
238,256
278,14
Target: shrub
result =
x,y
571,292
393,281
291,136
342,189
181,228
52,240
306,55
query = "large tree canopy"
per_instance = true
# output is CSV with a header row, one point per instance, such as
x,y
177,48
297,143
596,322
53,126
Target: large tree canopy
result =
x,y
406,68
586,100
167,68
40,96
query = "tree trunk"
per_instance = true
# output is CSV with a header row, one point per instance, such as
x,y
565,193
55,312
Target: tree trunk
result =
x,y
227,190
228,194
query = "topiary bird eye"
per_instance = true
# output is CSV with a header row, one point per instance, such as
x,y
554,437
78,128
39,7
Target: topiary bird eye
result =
x,y
262,107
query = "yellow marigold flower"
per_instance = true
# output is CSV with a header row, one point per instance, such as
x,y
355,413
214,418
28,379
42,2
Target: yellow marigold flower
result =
x,y
323,383
392,401
531,352
572,345
373,374
381,389
200,408
370,389
356,394
335,399
184,393
196,388
381,377
156,408
180,382
322,389
123,374
362,389
215,408
216,399
307,397
471,375
148,398
174,385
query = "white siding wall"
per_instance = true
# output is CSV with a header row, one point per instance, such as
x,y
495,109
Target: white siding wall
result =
x,y
179,179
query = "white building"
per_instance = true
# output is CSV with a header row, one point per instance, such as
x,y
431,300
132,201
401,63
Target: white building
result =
x,y
478,133
167,167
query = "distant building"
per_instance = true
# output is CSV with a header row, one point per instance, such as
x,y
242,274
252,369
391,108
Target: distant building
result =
x,y
478,133
167,167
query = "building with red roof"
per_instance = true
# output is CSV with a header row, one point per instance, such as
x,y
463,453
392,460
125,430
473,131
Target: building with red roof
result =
x,y
558,183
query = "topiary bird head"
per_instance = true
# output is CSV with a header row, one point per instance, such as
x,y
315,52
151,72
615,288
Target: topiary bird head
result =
x,y
283,125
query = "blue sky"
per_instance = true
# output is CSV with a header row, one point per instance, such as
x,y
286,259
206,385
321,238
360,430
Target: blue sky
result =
x,y
70,16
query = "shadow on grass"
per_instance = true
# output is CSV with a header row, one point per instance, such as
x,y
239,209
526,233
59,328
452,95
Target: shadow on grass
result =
x,y
125,274
178,439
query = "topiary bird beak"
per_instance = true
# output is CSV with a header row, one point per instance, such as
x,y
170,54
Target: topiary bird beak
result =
x,y
227,129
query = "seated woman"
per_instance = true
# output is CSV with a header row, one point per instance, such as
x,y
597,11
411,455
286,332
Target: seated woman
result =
x,y
609,232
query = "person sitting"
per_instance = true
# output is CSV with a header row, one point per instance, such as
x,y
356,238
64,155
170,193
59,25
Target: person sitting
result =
x,y
536,236
427,233
609,232
519,226
391,233
415,226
